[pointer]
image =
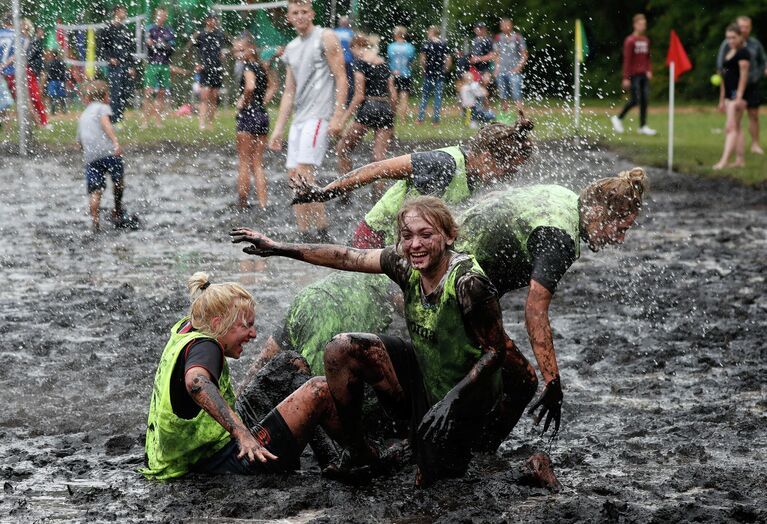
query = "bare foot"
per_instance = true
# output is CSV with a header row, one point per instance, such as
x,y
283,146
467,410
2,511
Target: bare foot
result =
x,y
737,163
755,149
538,471
718,166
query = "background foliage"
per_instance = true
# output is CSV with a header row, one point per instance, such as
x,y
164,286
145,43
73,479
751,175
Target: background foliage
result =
x,y
548,27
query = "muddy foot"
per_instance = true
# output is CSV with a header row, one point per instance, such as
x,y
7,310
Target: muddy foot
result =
x,y
538,471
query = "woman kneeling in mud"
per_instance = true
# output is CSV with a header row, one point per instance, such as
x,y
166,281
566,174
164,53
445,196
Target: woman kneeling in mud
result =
x,y
451,173
447,378
192,423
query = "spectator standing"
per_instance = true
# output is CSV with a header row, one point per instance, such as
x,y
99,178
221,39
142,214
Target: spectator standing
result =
x,y
116,45
374,101
35,53
732,90
637,73
160,44
757,69
511,53
345,34
33,85
435,61
401,54
315,92
482,55
256,90
56,71
210,43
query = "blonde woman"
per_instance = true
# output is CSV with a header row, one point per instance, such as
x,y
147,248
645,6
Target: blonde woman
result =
x,y
192,424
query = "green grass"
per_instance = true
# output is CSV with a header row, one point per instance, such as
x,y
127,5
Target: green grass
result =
x,y
698,135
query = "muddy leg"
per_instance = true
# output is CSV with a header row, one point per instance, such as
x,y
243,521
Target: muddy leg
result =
x,y
310,406
351,360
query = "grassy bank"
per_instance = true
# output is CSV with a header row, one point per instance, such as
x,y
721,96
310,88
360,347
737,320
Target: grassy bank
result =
x,y
698,135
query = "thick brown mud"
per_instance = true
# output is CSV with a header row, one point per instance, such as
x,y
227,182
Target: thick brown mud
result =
x,y
661,344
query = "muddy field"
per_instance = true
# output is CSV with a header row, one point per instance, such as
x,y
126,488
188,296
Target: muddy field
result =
x,y
661,345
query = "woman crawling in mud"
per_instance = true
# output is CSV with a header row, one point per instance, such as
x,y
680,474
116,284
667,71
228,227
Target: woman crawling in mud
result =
x,y
192,423
446,379
451,173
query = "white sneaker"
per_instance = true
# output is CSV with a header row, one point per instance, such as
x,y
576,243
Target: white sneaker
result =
x,y
617,124
644,130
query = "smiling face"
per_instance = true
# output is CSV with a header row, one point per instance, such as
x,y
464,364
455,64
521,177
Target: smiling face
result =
x,y
603,231
423,245
734,40
242,331
300,16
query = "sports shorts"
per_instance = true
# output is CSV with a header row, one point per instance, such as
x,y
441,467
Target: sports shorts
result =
x,y
307,143
403,84
96,173
273,433
253,120
212,76
157,76
376,114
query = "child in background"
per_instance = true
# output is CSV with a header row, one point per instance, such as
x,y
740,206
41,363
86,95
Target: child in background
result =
x,y
472,93
56,71
102,152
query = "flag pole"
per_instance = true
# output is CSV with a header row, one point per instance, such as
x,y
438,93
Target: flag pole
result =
x,y
21,78
671,117
577,93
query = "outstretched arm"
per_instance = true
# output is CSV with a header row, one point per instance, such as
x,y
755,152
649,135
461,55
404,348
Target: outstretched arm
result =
x,y
205,393
393,168
539,331
328,255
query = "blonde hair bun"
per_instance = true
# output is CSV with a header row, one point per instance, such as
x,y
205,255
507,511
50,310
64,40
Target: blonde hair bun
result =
x,y
197,283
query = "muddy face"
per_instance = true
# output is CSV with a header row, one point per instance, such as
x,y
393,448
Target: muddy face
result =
x,y
604,231
424,246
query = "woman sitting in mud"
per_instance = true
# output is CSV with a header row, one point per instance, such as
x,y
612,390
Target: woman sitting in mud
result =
x,y
192,423
451,173
446,379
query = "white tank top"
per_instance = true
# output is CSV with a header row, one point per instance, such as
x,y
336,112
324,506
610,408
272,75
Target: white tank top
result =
x,y
315,86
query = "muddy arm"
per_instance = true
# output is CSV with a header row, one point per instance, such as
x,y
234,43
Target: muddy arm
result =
x,y
205,393
393,168
539,330
327,255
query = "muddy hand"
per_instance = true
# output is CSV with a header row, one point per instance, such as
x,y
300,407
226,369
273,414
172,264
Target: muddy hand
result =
x,y
438,423
305,192
550,403
262,245
252,449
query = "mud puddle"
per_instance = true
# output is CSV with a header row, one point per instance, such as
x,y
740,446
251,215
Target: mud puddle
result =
x,y
660,342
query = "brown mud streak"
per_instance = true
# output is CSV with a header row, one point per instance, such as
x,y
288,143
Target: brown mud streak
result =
x,y
660,344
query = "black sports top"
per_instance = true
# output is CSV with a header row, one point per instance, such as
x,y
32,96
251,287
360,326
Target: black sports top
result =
x,y
257,99
376,77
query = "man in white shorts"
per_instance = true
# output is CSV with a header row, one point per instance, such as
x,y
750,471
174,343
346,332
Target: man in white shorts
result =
x,y
315,88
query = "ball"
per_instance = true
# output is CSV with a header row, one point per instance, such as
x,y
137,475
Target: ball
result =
x,y
716,79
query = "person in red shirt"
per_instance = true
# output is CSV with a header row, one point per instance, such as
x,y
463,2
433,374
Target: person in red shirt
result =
x,y
637,73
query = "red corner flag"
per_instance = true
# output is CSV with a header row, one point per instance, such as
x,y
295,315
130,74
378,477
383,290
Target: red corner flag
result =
x,y
677,55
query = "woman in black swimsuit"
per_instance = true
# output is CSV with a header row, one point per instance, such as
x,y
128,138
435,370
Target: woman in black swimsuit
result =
x,y
256,90
735,75
374,100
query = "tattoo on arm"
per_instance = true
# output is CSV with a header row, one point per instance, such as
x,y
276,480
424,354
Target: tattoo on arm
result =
x,y
209,398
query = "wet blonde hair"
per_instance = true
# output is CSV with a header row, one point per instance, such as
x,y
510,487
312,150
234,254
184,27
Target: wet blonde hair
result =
x,y
229,301
619,195
509,146
433,210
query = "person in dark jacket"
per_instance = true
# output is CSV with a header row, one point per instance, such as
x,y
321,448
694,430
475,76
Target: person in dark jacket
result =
x,y
116,46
